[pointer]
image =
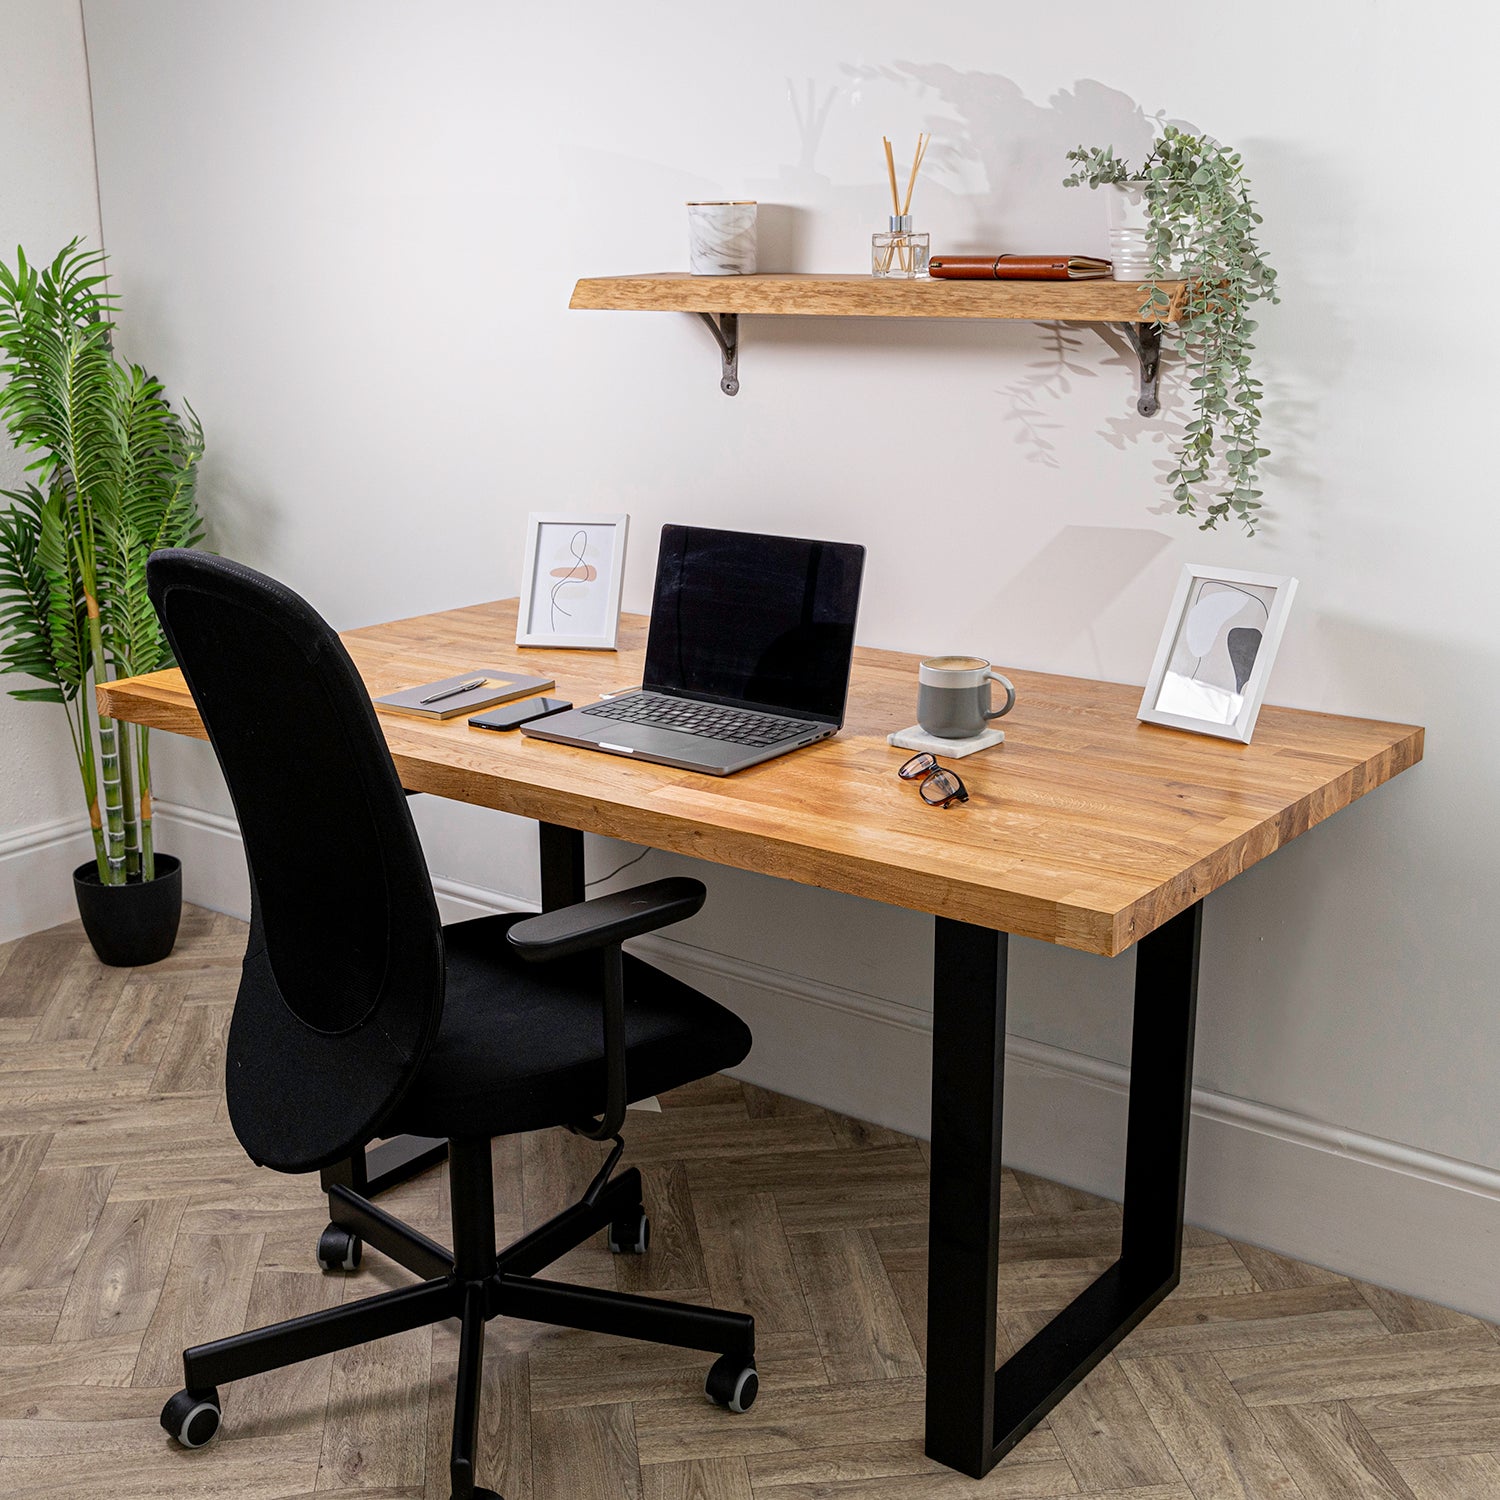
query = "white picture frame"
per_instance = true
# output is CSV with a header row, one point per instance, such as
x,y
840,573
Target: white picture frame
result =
x,y
1216,651
573,571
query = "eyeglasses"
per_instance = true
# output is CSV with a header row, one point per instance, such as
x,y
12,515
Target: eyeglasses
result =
x,y
938,786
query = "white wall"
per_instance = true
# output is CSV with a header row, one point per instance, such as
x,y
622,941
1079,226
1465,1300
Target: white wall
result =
x,y
349,231
47,196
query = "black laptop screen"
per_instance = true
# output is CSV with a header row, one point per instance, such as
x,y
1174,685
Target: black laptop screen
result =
x,y
758,621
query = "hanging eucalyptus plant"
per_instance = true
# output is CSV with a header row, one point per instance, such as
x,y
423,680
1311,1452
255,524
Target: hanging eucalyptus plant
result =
x,y
1202,227
114,474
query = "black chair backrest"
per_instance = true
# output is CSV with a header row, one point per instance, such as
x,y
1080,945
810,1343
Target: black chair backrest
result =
x,y
342,988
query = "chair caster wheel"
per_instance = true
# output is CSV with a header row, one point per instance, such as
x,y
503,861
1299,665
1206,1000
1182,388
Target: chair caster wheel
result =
x,y
339,1250
192,1417
732,1383
631,1236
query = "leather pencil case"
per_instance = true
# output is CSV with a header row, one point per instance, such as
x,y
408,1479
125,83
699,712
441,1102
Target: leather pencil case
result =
x,y
1018,267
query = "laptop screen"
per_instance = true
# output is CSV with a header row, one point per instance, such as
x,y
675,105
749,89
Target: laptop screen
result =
x,y
754,621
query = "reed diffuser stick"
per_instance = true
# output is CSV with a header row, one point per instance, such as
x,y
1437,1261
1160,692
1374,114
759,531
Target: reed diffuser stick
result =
x,y
890,166
916,163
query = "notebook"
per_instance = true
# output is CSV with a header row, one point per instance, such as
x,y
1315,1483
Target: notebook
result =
x,y
498,687
747,658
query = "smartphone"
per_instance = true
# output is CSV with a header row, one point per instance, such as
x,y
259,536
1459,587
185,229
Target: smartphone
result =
x,y
513,715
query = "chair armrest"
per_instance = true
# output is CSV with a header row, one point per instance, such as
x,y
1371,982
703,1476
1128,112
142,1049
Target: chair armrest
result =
x,y
608,919
605,922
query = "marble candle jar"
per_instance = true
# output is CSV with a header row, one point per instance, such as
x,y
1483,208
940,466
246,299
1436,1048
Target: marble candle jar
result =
x,y
721,238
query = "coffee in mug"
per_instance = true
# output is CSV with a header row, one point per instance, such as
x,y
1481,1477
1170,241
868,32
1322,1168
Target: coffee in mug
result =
x,y
953,696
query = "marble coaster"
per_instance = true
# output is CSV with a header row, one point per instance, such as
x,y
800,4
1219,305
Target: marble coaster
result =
x,y
916,738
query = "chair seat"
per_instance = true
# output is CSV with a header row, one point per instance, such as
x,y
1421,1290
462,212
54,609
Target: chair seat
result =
x,y
520,1046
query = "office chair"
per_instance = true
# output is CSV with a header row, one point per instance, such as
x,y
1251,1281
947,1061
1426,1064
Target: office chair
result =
x,y
359,1015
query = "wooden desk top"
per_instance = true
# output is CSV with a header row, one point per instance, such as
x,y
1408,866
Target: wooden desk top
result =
x,y
1086,828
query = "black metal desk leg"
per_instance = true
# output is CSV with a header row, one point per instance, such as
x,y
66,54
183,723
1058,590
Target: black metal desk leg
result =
x,y
561,851
976,1414
1161,1097
963,1234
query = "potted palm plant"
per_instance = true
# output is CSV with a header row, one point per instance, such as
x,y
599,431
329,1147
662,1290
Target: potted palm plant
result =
x,y
1186,212
112,477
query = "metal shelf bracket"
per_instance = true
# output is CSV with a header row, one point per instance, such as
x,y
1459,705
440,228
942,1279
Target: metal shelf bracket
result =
x,y
1145,340
726,334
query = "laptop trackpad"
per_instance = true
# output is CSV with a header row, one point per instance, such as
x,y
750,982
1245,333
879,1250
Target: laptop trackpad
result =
x,y
614,735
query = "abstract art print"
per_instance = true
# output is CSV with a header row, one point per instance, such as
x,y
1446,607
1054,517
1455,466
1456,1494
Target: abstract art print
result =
x,y
571,580
1216,652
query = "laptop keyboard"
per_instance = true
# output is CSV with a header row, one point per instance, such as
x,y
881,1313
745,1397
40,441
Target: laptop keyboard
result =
x,y
736,726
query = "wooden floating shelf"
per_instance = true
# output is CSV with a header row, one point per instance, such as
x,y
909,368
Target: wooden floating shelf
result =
x,y
873,297
719,301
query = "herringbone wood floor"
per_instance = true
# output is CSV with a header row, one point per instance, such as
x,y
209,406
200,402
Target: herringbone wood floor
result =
x,y
131,1223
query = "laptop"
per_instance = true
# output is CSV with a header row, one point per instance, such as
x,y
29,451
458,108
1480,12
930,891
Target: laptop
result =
x,y
747,657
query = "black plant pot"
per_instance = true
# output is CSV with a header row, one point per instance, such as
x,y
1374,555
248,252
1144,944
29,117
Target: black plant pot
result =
x,y
134,923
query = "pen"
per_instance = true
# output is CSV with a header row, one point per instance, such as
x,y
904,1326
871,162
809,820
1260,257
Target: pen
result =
x,y
453,692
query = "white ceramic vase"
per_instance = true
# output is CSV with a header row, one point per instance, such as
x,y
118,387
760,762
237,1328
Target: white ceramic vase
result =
x,y
721,238
1129,239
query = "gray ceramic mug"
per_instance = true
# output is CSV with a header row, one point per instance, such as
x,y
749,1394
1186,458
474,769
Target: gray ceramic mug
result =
x,y
953,696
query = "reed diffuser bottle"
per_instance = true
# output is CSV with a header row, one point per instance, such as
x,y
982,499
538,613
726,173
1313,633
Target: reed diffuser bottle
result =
x,y
901,251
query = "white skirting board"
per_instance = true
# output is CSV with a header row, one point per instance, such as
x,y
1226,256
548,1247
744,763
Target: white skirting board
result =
x,y
36,875
1374,1209
212,855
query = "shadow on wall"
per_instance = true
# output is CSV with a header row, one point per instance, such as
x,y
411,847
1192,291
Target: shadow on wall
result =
x,y
984,130
1313,324
987,132
1020,148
